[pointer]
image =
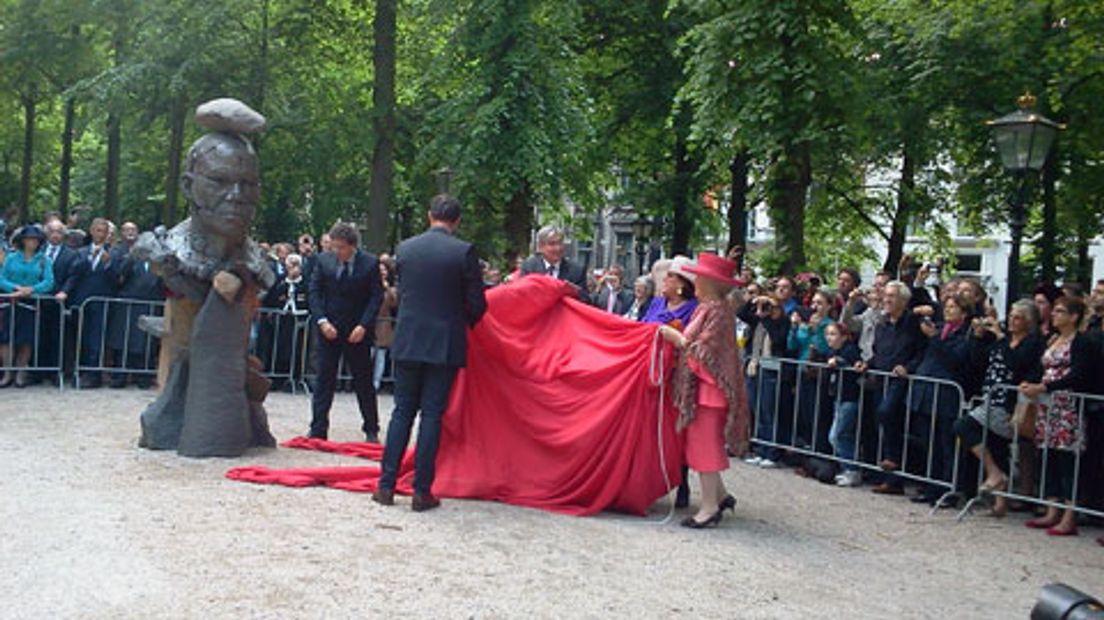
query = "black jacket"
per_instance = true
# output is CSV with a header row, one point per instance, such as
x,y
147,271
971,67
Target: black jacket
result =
x,y
65,276
346,304
622,302
899,344
569,272
440,296
101,281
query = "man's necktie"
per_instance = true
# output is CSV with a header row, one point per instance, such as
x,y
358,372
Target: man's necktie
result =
x,y
343,272
612,300
552,270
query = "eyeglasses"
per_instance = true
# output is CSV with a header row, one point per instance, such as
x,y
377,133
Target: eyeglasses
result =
x,y
1059,310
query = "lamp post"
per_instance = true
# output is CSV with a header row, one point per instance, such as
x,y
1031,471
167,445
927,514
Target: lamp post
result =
x,y
1023,138
642,232
444,179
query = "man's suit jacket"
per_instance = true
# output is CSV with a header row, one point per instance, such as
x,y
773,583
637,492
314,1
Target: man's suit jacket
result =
x,y
621,304
65,276
100,281
346,304
440,295
569,272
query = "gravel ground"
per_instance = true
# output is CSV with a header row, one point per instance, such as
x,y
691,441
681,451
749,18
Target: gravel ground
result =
x,y
93,527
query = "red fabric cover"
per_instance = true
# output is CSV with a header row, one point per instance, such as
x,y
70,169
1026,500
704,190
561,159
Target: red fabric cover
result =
x,y
555,410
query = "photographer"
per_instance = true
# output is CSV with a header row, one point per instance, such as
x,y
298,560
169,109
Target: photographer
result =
x,y
769,333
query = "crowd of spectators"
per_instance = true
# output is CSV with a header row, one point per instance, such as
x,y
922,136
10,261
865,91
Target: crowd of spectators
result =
x,y
910,378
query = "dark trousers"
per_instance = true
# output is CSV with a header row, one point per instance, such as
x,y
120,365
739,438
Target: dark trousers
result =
x,y
418,387
774,421
890,409
359,358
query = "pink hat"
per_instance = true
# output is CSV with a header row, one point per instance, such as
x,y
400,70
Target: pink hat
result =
x,y
715,268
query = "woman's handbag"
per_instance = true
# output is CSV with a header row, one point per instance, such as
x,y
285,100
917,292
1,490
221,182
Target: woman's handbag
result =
x,y
1023,417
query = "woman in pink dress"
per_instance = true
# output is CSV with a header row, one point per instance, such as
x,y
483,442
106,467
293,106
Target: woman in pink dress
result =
x,y
709,386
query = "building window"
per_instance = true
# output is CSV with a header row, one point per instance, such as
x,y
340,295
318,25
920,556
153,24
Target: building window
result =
x,y
968,262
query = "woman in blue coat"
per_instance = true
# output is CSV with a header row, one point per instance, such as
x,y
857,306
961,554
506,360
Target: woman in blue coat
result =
x,y
26,272
947,357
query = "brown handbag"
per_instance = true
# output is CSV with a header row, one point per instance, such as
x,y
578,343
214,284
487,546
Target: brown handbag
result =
x,y
1023,418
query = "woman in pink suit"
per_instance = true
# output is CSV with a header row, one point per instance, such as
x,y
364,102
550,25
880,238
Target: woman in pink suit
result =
x,y
709,386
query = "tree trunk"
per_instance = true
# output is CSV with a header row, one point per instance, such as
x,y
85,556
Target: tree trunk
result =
x,y
111,180
899,228
519,222
66,156
789,180
29,110
681,199
177,115
737,208
1047,240
383,121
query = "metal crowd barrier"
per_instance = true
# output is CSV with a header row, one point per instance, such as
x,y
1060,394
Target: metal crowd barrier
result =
x,y
279,344
109,341
46,318
1019,447
791,384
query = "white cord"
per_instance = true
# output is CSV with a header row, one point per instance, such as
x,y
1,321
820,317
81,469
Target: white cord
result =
x,y
656,375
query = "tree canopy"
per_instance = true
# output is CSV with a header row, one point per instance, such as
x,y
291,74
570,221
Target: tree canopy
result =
x,y
847,118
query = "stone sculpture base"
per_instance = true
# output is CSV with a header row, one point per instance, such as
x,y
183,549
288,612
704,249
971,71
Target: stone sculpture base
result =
x,y
212,400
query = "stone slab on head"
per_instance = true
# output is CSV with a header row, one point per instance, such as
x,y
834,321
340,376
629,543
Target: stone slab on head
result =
x,y
229,116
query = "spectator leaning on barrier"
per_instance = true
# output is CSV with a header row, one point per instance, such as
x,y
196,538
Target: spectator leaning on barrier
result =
x,y
1067,367
95,277
63,260
863,323
843,393
26,272
769,334
1008,359
131,347
897,349
946,357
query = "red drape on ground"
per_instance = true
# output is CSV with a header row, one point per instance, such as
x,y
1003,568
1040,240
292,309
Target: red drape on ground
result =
x,y
555,410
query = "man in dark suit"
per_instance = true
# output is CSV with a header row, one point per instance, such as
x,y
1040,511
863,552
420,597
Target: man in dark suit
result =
x,y
345,296
440,296
550,260
63,259
613,297
133,349
96,276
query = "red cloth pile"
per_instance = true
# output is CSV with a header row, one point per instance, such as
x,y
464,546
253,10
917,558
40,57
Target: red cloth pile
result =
x,y
555,410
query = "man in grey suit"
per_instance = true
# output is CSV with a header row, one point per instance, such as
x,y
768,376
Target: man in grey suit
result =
x,y
549,260
440,296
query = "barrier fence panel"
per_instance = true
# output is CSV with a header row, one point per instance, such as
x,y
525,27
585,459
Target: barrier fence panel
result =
x,y
110,342
1039,445
31,335
278,344
903,426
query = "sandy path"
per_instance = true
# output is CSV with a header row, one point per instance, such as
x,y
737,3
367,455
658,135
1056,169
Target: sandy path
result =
x,y
92,527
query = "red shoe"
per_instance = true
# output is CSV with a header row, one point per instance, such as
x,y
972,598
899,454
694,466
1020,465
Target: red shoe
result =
x,y
1038,524
1054,531
1100,541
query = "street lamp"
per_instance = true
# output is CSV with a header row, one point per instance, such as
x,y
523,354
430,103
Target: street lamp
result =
x,y
444,179
1023,138
642,232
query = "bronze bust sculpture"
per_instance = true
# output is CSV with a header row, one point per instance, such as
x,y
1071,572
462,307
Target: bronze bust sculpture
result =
x,y
211,402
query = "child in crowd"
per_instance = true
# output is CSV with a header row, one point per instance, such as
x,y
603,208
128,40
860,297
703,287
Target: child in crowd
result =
x,y
843,389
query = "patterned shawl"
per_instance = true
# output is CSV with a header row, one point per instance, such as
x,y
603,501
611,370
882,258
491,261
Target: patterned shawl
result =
x,y
711,341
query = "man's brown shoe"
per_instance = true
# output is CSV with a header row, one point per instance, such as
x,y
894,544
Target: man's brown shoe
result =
x,y
886,488
384,497
422,503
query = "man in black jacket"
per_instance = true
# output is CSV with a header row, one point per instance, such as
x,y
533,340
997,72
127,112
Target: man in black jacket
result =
x,y
96,277
549,260
345,296
63,259
440,296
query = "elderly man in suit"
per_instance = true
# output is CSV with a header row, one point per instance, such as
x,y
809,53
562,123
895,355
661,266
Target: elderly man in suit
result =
x,y
345,296
63,259
550,260
96,276
440,296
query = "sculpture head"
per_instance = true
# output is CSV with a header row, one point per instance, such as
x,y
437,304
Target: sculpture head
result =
x,y
222,185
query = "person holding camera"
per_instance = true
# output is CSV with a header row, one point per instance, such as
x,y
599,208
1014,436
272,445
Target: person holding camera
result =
x,y
769,335
1009,359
